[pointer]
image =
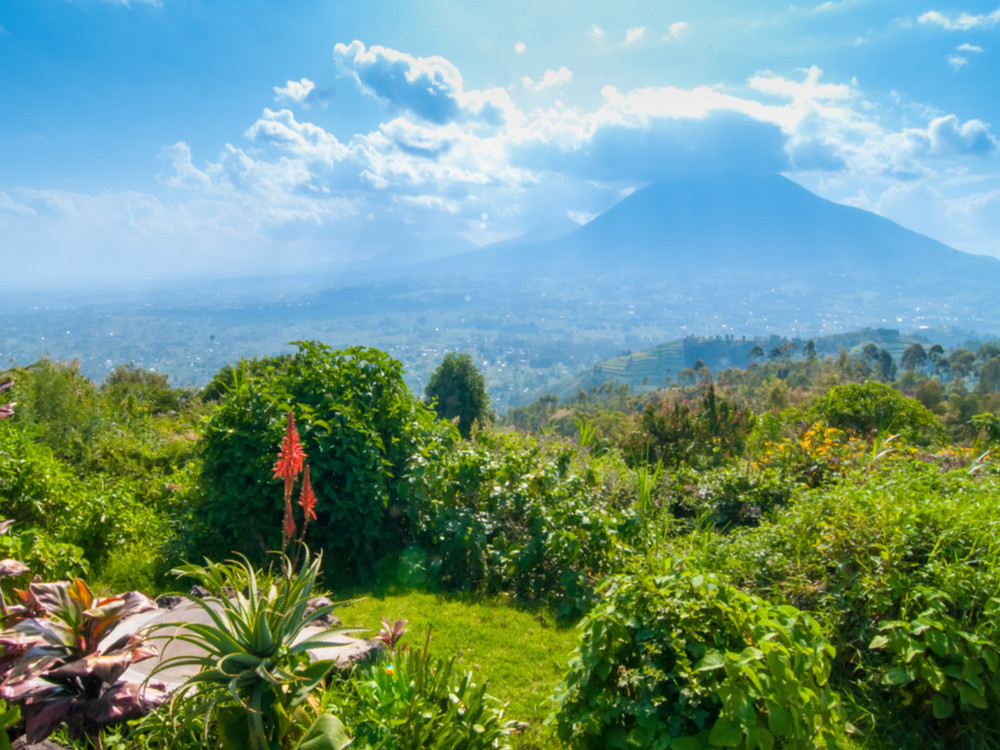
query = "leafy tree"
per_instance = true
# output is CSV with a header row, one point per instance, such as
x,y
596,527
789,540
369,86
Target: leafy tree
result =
x,y
809,350
914,357
458,389
961,361
987,352
885,366
229,376
132,387
989,377
755,353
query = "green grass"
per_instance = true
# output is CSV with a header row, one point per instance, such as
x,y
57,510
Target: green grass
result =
x,y
522,653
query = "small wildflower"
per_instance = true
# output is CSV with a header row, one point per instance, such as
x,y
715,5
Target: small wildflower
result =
x,y
389,669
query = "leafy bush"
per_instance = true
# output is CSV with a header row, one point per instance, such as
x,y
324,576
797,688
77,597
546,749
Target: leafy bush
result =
x,y
899,560
362,432
703,432
872,407
511,513
686,661
938,662
735,496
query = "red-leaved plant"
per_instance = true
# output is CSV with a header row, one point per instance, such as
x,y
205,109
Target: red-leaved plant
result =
x,y
64,675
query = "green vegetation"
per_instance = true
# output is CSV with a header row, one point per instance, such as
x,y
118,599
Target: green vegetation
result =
x,y
801,552
457,391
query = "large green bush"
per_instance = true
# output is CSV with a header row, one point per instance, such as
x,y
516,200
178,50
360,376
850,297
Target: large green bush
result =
x,y
899,561
872,407
686,661
509,513
363,433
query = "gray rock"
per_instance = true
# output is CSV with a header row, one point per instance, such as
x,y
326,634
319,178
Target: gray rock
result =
x,y
22,744
329,620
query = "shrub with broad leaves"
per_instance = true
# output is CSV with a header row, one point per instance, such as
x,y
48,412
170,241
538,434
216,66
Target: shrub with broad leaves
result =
x,y
686,661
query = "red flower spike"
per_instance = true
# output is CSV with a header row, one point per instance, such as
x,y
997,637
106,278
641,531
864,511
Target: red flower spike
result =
x,y
307,501
291,455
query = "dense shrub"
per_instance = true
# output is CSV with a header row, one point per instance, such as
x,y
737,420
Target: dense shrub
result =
x,y
734,496
872,407
899,561
686,661
705,431
363,433
515,514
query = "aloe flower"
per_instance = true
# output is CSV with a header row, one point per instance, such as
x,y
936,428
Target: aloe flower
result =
x,y
290,456
287,467
307,501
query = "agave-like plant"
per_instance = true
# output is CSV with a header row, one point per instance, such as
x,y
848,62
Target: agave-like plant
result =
x,y
256,676
63,676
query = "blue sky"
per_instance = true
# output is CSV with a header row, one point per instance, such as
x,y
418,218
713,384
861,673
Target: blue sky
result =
x,y
153,137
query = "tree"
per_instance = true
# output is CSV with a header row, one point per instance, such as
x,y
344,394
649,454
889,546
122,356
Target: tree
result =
x,y
885,366
961,361
914,357
458,389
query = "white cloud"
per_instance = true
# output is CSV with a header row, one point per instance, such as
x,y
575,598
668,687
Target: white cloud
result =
x,y
303,139
969,48
548,79
429,87
810,88
957,62
677,30
962,22
519,48
635,35
294,91
597,32
581,217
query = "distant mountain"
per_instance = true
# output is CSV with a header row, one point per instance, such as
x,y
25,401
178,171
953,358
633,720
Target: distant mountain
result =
x,y
750,224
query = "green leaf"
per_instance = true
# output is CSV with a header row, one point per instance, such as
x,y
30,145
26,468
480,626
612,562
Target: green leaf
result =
x,y
778,719
725,733
711,660
943,707
879,641
326,733
233,727
898,676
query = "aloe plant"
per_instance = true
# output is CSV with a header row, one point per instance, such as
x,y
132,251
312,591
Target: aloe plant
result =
x,y
63,675
256,677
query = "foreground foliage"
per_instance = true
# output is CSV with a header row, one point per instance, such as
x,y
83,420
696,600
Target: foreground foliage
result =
x,y
684,660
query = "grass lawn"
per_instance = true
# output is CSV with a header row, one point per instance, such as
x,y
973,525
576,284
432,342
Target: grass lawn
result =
x,y
522,653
